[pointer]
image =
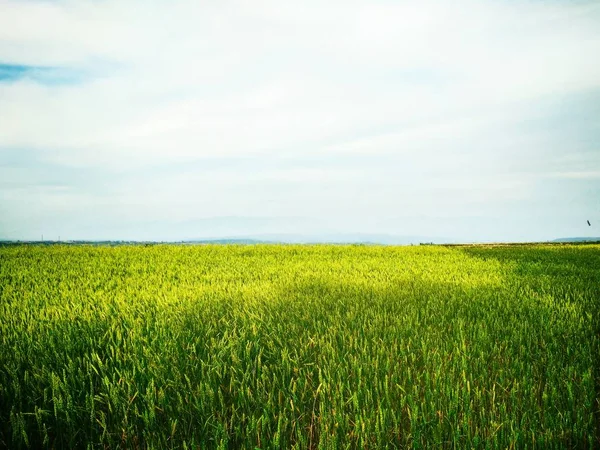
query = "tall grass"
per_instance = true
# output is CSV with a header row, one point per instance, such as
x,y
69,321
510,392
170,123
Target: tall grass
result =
x,y
299,347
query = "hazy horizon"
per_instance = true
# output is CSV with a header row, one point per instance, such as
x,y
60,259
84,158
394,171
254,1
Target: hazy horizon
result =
x,y
468,121
309,238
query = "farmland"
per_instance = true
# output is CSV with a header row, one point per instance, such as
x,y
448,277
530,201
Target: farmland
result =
x,y
283,346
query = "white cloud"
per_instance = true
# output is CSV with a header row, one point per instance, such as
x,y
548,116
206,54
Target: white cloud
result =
x,y
583,175
439,87
189,80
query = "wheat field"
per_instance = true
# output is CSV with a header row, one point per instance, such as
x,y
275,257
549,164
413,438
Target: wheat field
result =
x,y
289,346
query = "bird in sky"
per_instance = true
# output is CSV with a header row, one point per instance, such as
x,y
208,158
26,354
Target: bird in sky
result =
x,y
589,224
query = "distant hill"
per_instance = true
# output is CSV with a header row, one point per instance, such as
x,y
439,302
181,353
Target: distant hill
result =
x,y
227,241
578,239
349,238
341,238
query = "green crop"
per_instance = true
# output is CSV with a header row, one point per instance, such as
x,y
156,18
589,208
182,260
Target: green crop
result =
x,y
299,347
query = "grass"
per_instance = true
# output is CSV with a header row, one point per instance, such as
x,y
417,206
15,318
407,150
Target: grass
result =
x,y
299,347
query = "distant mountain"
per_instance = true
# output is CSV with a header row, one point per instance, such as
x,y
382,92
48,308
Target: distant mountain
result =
x,y
364,239
578,239
341,238
226,241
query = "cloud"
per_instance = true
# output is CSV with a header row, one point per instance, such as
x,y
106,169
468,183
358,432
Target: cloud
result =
x,y
195,80
591,174
288,109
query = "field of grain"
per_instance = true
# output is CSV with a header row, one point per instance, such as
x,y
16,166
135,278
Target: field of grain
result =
x,y
272,346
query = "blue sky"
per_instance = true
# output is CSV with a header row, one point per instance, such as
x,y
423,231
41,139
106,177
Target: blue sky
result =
x,y
470,120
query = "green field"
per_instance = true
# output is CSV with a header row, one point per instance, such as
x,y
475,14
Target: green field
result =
x,y
300,346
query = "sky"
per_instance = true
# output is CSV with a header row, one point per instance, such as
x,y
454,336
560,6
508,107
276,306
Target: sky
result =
x,y
154,120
